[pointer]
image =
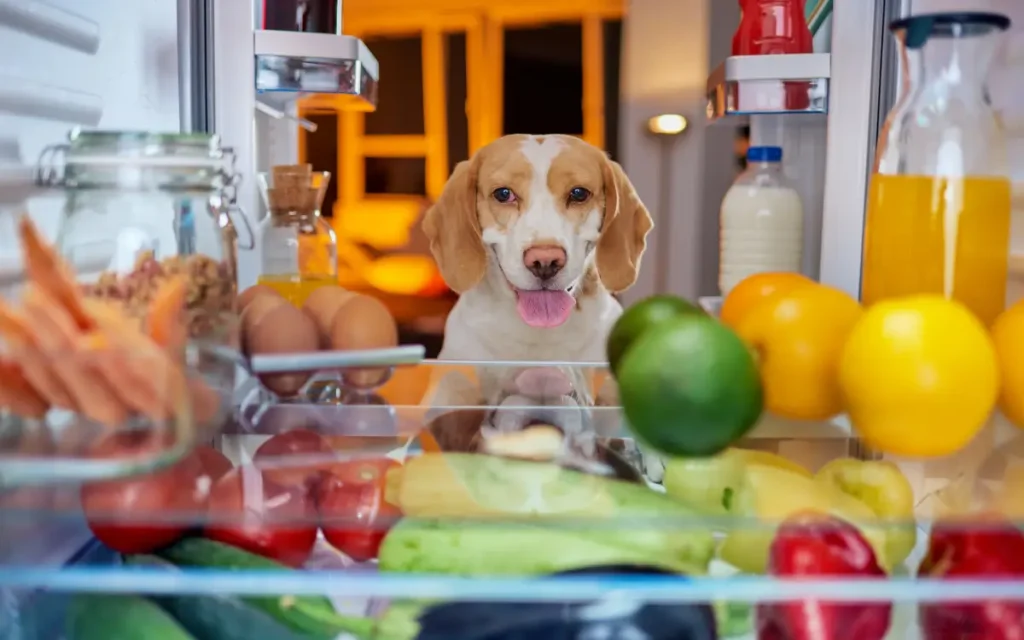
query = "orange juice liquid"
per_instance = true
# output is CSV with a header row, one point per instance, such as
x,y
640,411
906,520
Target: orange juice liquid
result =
x,y
947,236
295,288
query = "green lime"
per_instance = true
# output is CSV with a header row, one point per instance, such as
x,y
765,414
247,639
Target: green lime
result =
x,y
640,317
690,387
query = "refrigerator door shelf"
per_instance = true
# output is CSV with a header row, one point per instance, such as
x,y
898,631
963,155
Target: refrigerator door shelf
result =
x,y
753,85
289,65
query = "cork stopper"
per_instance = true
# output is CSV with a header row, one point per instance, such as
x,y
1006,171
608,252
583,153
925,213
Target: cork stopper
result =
x,y
292,190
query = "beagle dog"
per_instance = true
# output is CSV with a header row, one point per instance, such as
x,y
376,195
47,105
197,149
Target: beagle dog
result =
x,y
536,233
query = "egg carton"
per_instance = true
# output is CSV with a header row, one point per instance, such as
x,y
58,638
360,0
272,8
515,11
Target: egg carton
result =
x,y
328,382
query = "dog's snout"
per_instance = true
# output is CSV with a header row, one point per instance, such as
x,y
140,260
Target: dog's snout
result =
x,y
544,261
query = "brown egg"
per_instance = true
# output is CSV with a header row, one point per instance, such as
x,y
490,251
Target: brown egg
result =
x,y
363,322
253,292
282,329
254,314
322,305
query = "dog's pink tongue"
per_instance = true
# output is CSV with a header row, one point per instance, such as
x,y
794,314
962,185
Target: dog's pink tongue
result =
x,y
544,308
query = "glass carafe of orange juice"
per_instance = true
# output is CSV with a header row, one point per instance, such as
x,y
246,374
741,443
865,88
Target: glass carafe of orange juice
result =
x,y
299,248
938,211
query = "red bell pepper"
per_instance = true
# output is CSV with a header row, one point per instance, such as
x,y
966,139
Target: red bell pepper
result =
x,y
986,549
820,546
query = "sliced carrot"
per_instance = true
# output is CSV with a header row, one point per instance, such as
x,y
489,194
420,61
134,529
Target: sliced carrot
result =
x,y
13,326
41,375
164,321
136,367
49,271
92,393
150,383
17,394
57,339
53,329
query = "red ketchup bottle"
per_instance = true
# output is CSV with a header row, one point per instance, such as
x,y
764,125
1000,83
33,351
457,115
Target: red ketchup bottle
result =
x,y
775,27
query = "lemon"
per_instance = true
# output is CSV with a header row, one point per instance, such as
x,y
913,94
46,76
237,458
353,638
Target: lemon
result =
x,y
919,376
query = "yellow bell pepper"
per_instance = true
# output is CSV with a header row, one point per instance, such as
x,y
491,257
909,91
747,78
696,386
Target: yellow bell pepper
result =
x,y
884,488
769,495
708,485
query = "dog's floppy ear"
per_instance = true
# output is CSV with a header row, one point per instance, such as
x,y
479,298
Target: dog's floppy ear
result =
x,y
452,226
623,231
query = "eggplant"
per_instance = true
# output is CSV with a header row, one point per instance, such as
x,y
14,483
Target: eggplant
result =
x,y
570,621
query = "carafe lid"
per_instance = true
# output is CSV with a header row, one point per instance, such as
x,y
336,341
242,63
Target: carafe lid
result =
x,y
764,154
961,24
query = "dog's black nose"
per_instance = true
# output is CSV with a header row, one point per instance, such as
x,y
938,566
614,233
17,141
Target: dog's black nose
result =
x,y
544,261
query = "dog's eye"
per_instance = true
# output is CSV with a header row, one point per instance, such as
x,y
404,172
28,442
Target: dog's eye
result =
x,y
503,195
579,194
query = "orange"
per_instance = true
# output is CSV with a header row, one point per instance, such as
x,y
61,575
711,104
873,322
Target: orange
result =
x,y
752,291
799,335
1008,337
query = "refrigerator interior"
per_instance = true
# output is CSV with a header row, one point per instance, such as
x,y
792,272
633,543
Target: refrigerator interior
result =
x,y
131,81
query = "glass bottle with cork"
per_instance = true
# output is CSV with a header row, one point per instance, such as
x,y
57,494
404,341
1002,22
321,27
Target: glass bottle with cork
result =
x,y
299,248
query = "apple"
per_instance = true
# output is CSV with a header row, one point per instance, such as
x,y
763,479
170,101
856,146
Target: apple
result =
x,y
354,515
295,458
143,513
249,510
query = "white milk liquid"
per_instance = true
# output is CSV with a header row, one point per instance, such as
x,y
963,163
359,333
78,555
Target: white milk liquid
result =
x,y
762,230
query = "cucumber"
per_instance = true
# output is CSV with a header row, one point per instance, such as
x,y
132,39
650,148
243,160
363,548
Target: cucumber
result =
x,y
604,511
215,617
400,621
489,549
119,617
312,616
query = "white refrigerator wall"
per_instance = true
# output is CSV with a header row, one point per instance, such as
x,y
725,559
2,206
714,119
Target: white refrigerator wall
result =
x,y
130,82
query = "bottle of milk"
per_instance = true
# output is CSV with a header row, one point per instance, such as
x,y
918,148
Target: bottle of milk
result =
x,y
762,221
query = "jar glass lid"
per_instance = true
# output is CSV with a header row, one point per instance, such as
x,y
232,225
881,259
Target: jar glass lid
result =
x,y
139,160
140,145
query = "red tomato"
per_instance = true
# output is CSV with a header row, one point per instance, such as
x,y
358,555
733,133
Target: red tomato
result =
x,y
215,464
354,515
250,511
143,513
295,458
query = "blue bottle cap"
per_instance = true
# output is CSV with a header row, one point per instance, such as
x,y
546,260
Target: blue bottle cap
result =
x,y
764,154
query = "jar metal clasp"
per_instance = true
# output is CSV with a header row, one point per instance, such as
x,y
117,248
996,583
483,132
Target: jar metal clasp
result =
x,y
229,201
50,166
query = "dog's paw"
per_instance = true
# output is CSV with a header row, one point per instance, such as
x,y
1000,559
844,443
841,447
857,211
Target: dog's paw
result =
x,y
654,465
